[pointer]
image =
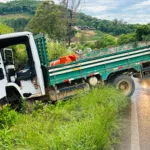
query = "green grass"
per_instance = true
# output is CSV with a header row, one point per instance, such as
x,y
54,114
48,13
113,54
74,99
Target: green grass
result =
x,y
88,36
89,122
95,37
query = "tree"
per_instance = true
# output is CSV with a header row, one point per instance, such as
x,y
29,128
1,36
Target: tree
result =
x,y
146,37
17,24
49,19
106,41
19,6
142,31
71,6
127,38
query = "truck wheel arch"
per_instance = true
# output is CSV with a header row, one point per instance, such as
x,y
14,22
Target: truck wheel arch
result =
x,y
113,75
14,87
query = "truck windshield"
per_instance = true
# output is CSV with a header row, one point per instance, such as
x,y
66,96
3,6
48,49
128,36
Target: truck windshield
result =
x,y
21,49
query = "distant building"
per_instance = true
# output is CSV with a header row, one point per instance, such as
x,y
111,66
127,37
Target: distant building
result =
x,y
83,28
76,28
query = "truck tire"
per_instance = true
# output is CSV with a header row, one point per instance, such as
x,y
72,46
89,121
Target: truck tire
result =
x,y
125,84
15,101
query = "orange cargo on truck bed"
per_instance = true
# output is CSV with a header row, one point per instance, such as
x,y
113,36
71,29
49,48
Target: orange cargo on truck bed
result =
x,y
64,60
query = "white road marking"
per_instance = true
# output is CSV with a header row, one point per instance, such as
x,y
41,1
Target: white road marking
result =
x,y
135,140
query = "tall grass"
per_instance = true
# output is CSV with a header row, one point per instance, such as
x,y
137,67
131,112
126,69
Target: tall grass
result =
x,y
90,122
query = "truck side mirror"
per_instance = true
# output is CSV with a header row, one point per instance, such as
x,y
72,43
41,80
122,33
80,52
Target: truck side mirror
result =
x,y
8,56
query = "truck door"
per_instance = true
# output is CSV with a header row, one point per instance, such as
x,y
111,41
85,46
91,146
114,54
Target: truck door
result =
x,y
9,64
26,78
3,80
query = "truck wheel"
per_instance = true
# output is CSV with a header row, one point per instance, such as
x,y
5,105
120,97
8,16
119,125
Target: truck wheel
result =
x,y
125,84
15,101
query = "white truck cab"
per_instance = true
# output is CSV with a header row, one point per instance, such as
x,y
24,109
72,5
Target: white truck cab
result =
x,y
3,82
28,82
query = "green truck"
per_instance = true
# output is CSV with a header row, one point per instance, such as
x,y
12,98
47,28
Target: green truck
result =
x,y
38,79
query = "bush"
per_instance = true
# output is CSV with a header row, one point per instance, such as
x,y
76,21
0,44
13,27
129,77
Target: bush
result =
x,y
128,38
6,138
7,117
88,122
5,29
105,41
56,49
90,45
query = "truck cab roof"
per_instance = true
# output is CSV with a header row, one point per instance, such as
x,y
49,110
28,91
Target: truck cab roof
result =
x,y
11,39
13,35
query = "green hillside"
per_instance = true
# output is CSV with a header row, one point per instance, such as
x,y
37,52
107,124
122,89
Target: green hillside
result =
x,y
12,12
4,18
115,27
87,36
19,6
17,21
17,14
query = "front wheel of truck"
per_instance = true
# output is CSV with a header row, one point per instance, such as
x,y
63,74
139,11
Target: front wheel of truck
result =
x,y
14,98
125,84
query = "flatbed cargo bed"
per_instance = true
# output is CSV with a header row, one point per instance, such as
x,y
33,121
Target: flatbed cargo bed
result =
x,y
101,63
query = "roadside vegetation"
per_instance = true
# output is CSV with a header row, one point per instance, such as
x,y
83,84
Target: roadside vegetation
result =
x,y
82,123
89,122
5,29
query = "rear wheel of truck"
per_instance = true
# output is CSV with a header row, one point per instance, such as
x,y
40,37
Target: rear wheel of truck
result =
x,y
125,84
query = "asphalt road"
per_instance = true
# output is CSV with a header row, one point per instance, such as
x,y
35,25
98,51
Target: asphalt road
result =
x,y
135,134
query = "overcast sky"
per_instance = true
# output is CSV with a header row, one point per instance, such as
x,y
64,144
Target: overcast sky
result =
x,y
131,11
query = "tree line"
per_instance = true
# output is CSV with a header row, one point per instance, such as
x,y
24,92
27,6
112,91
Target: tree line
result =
x,y
142,33
115,27
52,20
19,6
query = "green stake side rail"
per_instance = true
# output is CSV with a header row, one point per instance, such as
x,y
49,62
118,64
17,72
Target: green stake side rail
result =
x,y
101,63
